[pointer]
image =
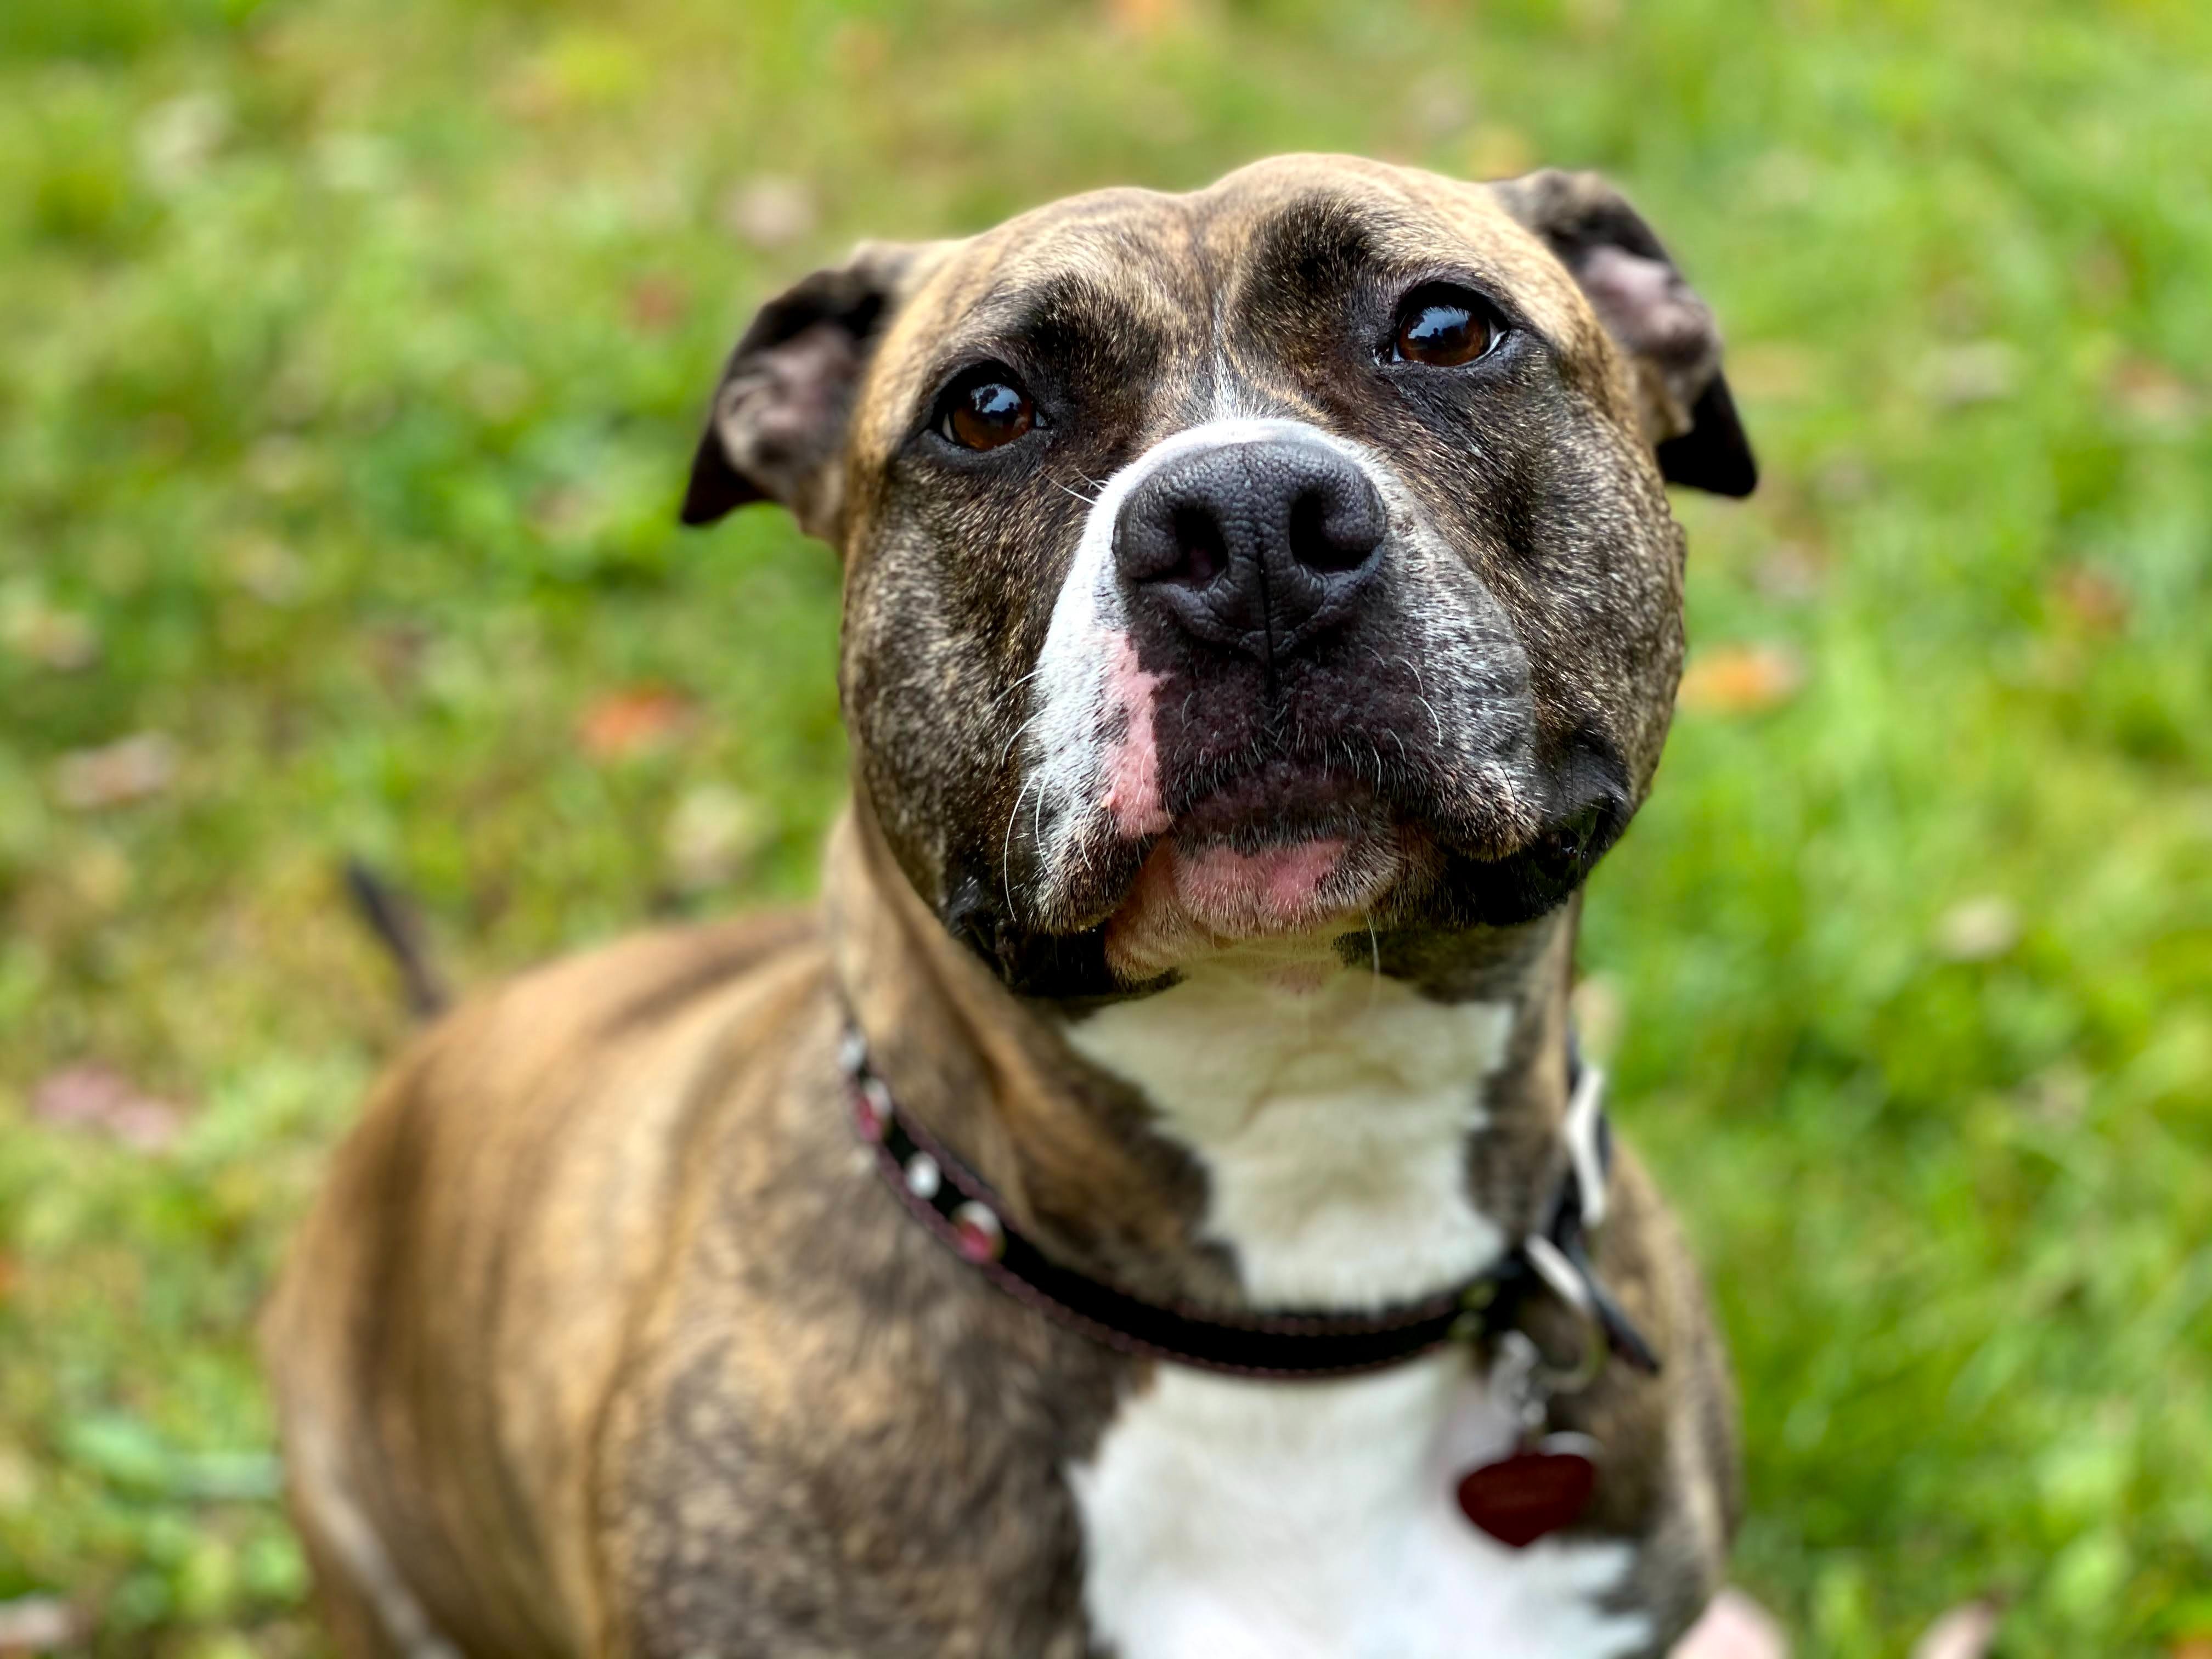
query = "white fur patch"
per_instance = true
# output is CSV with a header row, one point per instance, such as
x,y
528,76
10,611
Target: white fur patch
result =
x,y
1331,1124
1226,1518
1070,736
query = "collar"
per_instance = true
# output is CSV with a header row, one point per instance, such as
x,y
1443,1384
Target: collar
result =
x,y
941,1191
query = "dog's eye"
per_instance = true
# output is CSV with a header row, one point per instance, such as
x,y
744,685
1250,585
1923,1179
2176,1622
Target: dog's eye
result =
x,y
1443,327
986,407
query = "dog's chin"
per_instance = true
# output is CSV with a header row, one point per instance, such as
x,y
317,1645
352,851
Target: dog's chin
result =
x,y
1200,894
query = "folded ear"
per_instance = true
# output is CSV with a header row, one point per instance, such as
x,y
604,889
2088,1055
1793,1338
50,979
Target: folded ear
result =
x,y
1653,314
777,429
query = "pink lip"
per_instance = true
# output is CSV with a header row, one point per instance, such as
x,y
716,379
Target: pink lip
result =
x,y
1191,903
1252,892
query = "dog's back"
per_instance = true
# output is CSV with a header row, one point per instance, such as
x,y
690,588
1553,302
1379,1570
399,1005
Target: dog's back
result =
x,y
454,1303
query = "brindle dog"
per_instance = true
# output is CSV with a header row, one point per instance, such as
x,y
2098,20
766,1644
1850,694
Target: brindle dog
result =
x,y
1262,608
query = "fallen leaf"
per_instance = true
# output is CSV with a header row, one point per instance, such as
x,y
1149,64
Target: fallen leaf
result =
x,y
102,1100
1147,17
631,722
657,304
770,211
1735,1627
38,1624
1741,679
2091,600
1963,1633
2191,1647
1978,930
2147,390
128,770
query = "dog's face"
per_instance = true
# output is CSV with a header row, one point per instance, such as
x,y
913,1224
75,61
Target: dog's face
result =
x,y
1287,560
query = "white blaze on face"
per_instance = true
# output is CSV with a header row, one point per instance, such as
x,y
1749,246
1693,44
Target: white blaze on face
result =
x,y
1093,766
1132,765
1089,750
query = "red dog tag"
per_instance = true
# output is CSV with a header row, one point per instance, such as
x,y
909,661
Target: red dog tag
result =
x,y
1533,1490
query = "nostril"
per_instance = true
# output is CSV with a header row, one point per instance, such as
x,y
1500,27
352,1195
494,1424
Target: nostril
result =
x,y
1329,536
1202,552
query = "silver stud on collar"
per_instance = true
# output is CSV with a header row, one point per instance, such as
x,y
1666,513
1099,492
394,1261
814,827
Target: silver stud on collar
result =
x,y
923,1176
852,1052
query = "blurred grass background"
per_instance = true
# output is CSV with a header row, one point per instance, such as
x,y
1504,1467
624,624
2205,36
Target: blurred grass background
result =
x,y
352,355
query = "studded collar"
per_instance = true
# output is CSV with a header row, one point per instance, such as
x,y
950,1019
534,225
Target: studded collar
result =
x,y
941,1191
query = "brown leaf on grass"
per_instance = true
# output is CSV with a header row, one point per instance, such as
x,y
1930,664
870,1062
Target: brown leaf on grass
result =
x,y
103,1101
38,1624
1147,17
1963,1633
657,304
2090,599
634,721
2191,1647
1741,679
2148,390
128,770
1735,1627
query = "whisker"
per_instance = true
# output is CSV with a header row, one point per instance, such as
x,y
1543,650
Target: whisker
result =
x,y
1007,849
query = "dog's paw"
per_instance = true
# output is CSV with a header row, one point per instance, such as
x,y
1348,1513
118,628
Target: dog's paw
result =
x,y
1735,1627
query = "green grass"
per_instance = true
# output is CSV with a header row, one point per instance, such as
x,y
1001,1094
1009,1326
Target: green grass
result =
x,y
354,351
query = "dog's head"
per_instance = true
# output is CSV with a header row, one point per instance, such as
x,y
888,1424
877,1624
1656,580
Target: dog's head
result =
x,y
1288,559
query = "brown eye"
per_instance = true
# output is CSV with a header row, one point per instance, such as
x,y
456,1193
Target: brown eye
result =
x,y
1442,329
986,408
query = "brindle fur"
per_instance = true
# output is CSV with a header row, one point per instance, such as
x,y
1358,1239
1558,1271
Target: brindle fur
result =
x,y
606,1335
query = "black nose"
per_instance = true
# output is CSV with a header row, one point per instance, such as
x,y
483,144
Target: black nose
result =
x,y
1258,547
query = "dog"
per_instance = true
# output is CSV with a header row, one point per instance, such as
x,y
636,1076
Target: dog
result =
x,y
1153,1206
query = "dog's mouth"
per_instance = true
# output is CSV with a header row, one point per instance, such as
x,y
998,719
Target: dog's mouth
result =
x,y
1282,853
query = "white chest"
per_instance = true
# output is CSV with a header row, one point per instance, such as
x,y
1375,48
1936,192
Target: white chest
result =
x,y
1225,1518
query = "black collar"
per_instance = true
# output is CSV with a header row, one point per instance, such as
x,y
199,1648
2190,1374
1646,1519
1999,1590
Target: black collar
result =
x,y
939,1189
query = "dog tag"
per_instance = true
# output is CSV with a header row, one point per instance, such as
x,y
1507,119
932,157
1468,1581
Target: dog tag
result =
x,y
1533,1489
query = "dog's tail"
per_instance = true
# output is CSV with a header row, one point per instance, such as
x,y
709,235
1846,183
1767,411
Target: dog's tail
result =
x,y
392,918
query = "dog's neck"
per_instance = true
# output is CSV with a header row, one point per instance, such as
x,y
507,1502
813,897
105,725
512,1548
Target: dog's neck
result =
x,y
1270,1130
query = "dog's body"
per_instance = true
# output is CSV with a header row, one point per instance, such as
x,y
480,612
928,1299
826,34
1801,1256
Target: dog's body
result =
x,y
1209,887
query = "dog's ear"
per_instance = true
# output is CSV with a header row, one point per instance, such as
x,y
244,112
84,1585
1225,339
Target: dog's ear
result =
x,y
777,432
1668,332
